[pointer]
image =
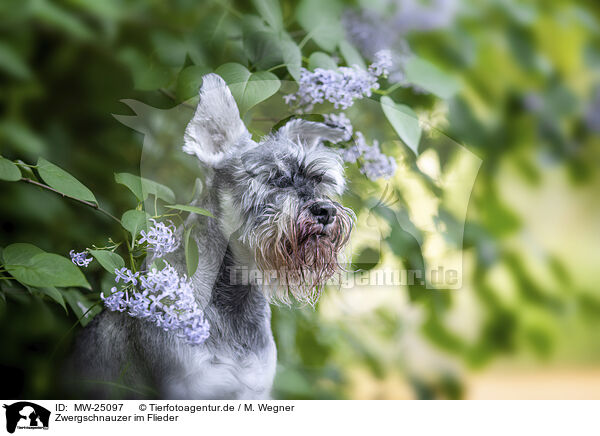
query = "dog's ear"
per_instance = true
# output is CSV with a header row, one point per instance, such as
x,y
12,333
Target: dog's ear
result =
x,y
310,133
216,126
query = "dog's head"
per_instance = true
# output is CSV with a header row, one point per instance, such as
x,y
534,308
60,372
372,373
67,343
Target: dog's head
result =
x,y
275,196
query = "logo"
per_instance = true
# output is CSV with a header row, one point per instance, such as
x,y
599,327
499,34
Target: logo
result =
x,y
26,415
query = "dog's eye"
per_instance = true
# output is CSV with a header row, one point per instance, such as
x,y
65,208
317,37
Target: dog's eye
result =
x,y
283,181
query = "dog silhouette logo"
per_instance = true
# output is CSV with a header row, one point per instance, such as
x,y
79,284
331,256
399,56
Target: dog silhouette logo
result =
x,y
26,415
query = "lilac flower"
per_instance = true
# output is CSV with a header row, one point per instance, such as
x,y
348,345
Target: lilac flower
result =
x,y
164,298
375,164
289,98
365,30
340,87
381,64
80,259
115,301
161,237
340,121
351,154
374,31
126,275
415,15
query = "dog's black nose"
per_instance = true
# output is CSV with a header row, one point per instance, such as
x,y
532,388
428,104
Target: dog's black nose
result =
x,y
323,211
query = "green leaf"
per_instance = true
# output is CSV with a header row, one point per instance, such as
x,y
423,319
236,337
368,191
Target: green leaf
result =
x,y
31,266
159,190
191,252
63,182
190,81
12,63
321,60
270,11
263,47
141,187
9,171
322,20
109,260
134,183
81,305
351,55
248,88
292,57
429,77
135,220
192,209
20,253
266,47
404,121
52,292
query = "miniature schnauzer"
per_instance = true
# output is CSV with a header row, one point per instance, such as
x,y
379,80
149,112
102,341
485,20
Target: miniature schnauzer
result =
x,y
273,214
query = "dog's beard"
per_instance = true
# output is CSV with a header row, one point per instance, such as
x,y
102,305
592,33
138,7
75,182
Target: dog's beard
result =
x,y
296,255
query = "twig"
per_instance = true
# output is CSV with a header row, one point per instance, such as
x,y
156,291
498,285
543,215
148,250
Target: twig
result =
x,y
387,91
277,67
306,38
87,203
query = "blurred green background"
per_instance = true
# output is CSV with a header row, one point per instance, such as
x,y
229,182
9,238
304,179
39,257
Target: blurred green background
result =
x,y
525,106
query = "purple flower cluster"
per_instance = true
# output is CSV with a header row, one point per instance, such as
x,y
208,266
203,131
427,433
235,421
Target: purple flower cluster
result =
x,y
381,63
127,276
340,87
373,31
340,121
365,30
162,297
375,164
416,15
160,237
80,259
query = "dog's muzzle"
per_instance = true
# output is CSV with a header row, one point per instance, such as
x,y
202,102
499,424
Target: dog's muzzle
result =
x,y
302,247
323,211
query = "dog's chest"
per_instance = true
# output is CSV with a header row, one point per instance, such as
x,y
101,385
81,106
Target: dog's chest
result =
x,y
230,374
239,359
225,370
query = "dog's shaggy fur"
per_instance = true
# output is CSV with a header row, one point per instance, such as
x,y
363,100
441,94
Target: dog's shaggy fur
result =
x,y
273,215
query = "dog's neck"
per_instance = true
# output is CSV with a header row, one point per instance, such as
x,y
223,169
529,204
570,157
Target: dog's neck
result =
x,y
233,292
237,308
224,274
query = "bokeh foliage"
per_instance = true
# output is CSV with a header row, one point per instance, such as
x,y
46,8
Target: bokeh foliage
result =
x,y
519,90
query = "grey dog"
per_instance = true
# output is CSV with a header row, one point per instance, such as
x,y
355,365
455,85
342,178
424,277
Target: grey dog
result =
x,y
273,214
